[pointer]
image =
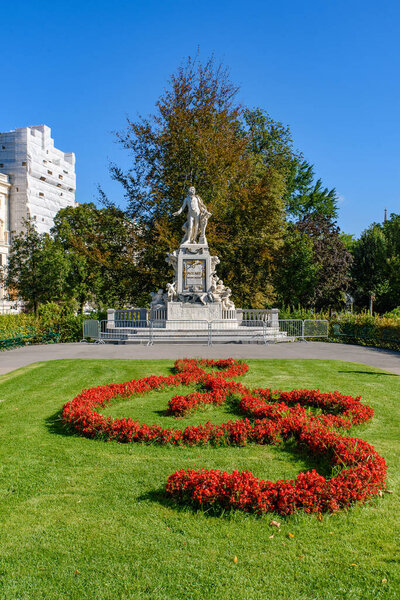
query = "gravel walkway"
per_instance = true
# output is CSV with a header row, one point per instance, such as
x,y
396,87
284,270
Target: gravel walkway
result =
x,y
382,359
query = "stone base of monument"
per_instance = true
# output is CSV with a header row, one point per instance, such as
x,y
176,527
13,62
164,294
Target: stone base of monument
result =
x,y
186,316
180,334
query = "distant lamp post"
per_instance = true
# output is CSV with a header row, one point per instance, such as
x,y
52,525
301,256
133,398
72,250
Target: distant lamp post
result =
x,y
349,303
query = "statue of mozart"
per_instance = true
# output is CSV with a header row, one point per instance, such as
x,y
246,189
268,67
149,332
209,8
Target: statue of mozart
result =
x,y
198,215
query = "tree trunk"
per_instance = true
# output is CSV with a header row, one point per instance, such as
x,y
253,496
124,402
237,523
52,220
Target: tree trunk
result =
x,y
371,304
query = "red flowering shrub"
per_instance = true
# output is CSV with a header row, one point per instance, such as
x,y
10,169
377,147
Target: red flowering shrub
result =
x,y
270,417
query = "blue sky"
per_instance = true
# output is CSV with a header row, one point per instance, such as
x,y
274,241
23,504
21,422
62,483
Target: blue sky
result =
x,y
330,69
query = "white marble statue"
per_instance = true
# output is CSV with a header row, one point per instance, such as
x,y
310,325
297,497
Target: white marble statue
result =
x,y
157,299
171,292
197,220
227,304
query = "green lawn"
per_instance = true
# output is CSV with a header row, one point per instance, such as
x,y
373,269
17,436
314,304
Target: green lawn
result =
x,y
89,519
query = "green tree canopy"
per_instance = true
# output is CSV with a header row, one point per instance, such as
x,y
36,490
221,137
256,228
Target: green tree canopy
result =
x,y
241,162
237,160
376,268
314,265
102,251
305,196
37,268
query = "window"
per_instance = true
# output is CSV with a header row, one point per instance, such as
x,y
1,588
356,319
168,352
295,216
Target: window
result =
x,y
17,189
41,194
60,177
24,163
42,219
61,194
66,172
3,147
44,161
50,172
43,178
1,164
58,184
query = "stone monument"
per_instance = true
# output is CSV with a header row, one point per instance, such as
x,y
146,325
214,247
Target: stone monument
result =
x,y
196,292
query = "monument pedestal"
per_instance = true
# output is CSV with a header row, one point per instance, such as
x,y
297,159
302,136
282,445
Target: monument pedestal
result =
x,y
196,295
192,315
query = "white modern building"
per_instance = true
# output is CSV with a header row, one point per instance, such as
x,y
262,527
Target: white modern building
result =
x,y
5,186
36,181
4,224
42,177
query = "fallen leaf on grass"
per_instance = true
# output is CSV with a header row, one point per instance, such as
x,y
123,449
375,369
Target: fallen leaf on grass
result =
x,y
388,491
319,517
290,535
76,572
274,524
235,560
271,536
384,580
353,565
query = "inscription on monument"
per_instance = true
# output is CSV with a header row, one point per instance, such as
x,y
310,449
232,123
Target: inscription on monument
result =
x,y
194,275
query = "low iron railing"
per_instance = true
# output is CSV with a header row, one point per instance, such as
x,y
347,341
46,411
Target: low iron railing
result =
x,y
146,331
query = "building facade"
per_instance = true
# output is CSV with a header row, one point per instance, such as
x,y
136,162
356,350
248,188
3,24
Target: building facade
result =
x,y
42,177
36,181
4,235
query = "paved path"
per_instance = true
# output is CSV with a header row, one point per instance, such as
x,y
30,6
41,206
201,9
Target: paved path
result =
x,y
20,357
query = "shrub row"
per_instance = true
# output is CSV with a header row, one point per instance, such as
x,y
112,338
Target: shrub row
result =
x,y
364,329
58,319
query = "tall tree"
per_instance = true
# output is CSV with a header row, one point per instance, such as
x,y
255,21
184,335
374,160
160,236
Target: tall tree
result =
x,y
305,196
391,230
297,275
200,136
375,272
331,259
102,250
369,267
37,268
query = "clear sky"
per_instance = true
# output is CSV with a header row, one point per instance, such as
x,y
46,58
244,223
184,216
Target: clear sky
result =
x,y
330,69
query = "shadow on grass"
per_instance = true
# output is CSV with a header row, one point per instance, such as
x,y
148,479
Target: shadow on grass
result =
x,y
160,497
55,425
292,453
370,373
230,406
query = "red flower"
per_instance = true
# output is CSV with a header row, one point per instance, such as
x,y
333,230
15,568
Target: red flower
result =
x,y
272,416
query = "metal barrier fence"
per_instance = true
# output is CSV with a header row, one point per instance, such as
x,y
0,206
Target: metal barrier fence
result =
x,y
223,331
91,329
248,331
315,328
179,331
293,328
122,330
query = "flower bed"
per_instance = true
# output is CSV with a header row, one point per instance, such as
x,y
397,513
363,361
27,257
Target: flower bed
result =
x,y
269,418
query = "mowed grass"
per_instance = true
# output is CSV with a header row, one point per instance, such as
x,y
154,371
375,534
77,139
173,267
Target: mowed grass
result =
x,y
89,519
